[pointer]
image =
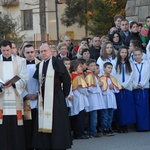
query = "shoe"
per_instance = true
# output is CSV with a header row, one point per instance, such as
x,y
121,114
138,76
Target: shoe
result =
x,y
81,137
110,133
105,132
97,135
125,129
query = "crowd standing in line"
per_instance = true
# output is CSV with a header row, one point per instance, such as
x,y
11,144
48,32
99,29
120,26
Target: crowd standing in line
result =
x,y
64,92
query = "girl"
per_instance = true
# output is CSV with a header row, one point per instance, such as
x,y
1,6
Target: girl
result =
x,y
80,101
107,55
125,113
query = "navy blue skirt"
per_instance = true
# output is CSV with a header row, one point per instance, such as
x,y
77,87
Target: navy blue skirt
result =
x,y
141,98
125,113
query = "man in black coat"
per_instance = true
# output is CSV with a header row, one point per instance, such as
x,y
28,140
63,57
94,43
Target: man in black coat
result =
x,y
95,48
124,32
59,137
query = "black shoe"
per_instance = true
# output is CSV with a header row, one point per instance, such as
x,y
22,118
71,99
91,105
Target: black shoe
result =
x,y
81,137
110,133
125,129
105,132
97,135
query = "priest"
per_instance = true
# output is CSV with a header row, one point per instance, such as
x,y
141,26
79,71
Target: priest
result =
x,y
52,130
11,102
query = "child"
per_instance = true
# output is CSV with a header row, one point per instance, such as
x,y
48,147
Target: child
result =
x,y
107,55
109,87
97,71
140,92
94,97
125,113
133,45
66,62
83,65
80,101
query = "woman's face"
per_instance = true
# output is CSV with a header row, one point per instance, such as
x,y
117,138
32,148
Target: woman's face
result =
x,y
116,38
134,28
86,55
123,53
109,49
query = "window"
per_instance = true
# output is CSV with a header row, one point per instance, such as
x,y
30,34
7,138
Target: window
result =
x,y
28,20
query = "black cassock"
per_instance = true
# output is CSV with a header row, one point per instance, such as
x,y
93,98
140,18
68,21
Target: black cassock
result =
x,y
60,138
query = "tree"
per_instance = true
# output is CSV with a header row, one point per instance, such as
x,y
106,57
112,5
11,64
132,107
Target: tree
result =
x,y
9,29
95,15
77,11
42,15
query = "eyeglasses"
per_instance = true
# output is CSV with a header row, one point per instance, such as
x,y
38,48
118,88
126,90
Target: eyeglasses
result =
x,y
30,52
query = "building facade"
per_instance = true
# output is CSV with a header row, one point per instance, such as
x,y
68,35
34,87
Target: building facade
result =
x,y
26,13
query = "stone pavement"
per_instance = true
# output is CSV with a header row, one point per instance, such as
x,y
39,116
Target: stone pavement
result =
x,y
121,141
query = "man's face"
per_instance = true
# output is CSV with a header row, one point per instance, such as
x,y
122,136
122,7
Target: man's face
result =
x,y
96,42
45,52
6,51
29,53
124,26
118,22
67,40
14,49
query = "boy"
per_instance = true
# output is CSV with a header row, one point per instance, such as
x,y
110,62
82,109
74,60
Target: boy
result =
x,y
94,97
140,92
133,45
66,62
109,87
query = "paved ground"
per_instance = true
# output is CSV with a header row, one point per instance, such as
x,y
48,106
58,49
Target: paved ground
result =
x,y
127,141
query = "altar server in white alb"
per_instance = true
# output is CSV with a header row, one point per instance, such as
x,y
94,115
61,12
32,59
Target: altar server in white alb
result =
x,y
11,103
107,55
94,97
30,94
140,92
125,113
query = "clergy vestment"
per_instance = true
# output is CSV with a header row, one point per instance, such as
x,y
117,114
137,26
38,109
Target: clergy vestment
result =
x,y
11,104
30,106
57,135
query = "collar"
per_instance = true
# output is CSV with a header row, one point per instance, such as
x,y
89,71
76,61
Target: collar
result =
x,y
30,62
7,59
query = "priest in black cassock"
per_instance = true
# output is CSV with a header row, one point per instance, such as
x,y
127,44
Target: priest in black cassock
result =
x,y
52,128
12,135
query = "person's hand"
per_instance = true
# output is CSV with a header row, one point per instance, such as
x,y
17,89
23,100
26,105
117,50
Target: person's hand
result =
x,y
71,97
111,86
100,83
139,86
6,86
31,96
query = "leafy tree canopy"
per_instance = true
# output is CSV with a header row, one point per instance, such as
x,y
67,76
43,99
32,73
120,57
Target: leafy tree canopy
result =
x,y
95,15
9,29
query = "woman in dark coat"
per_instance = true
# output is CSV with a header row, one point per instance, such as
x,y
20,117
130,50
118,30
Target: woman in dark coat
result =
x,y
134,33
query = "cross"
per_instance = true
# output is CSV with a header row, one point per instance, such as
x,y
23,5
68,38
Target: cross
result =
x,y
47,114
8,93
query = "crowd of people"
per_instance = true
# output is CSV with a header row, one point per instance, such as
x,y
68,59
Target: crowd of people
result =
x,y
63,92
